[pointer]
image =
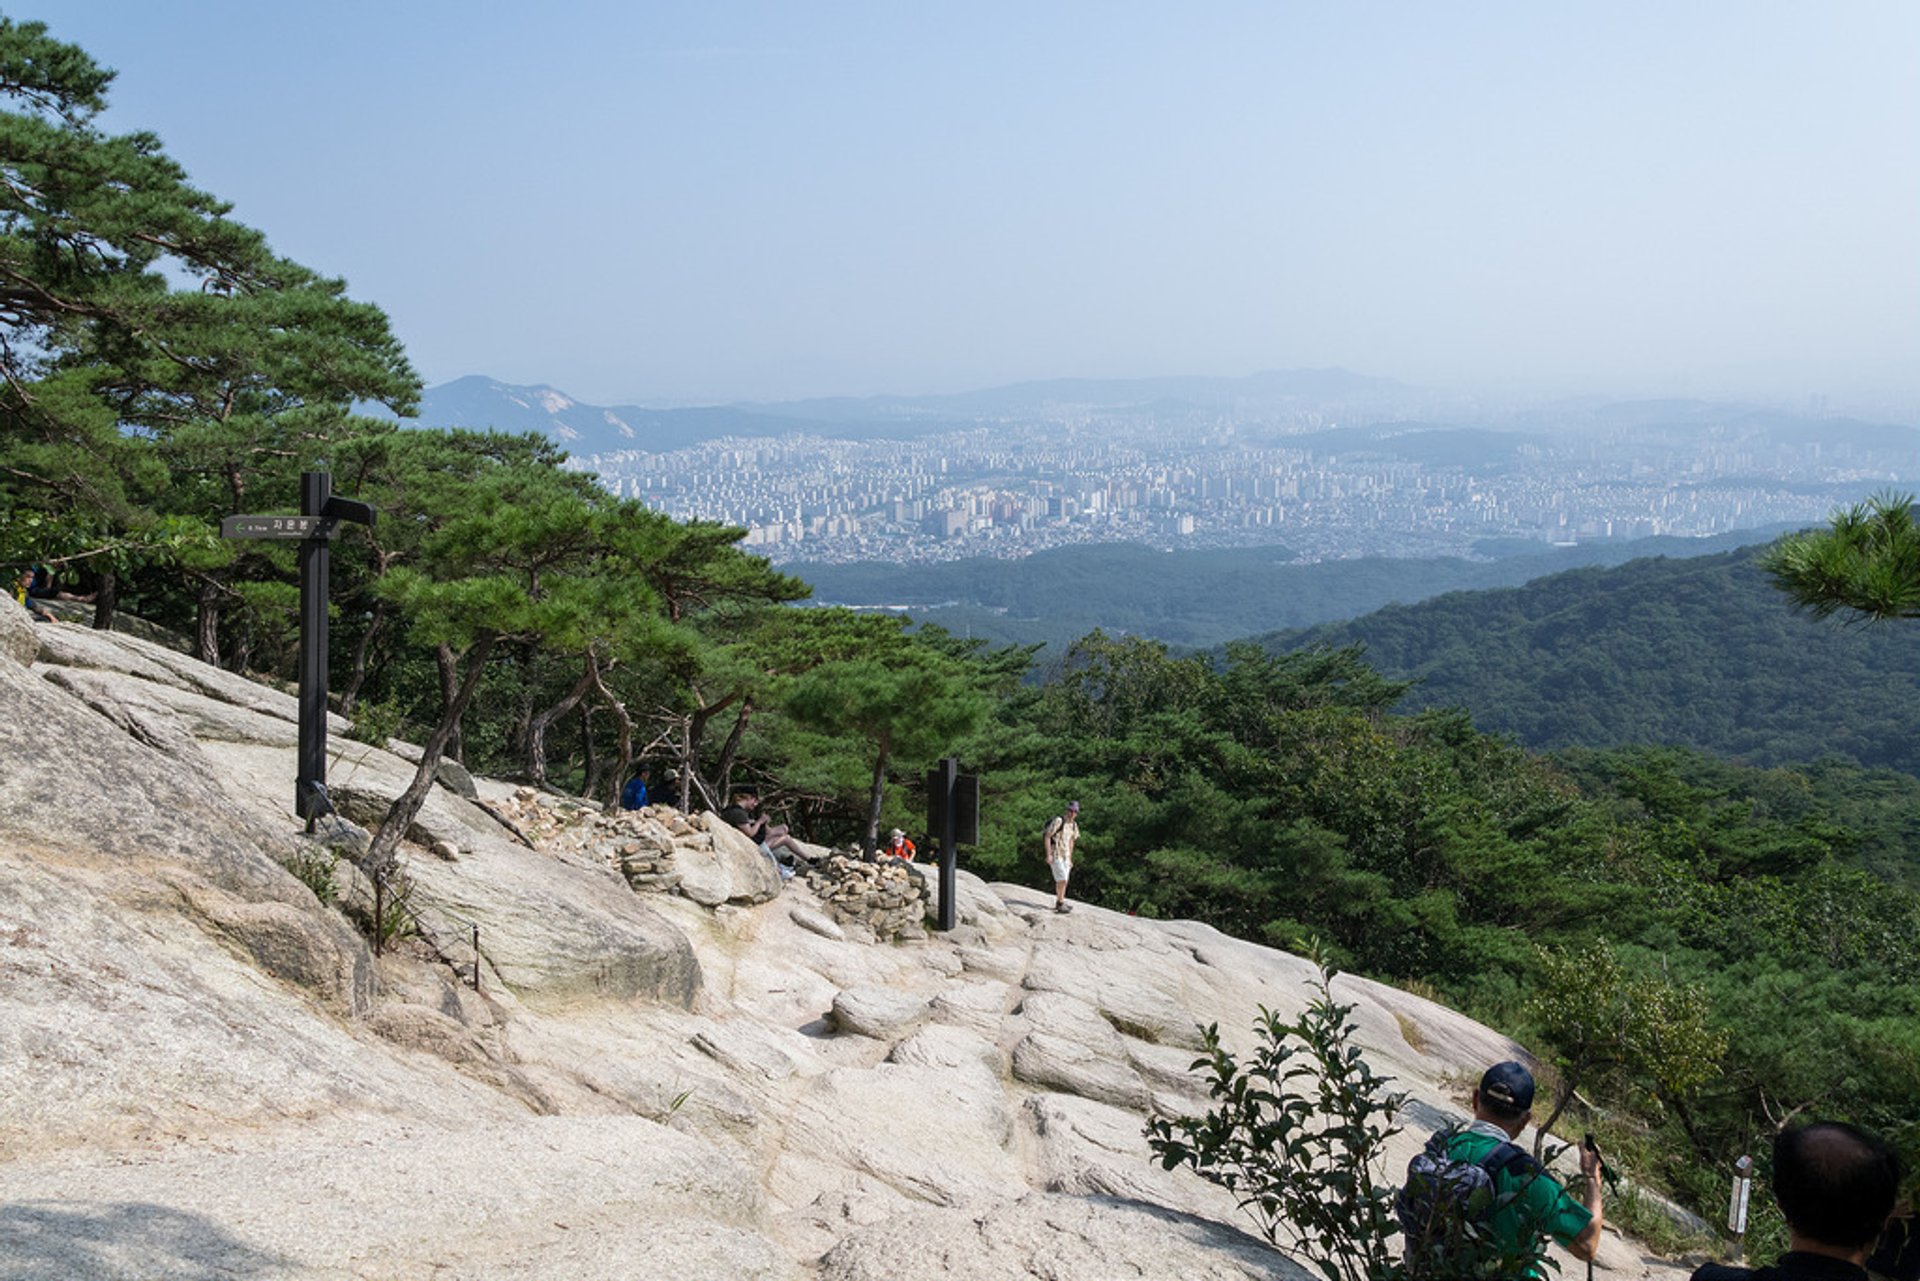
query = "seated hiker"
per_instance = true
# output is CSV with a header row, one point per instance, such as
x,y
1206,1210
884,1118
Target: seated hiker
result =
x,y
1475,1204
744,814
1835,1185
29,589
898,846
634,795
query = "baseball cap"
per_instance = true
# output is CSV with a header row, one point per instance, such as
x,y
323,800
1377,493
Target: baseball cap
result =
x,y
1074,806
895,834
1508,1086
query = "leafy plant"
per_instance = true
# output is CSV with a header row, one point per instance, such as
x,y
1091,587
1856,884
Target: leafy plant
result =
x,y
392,916
314,868
1294,1134
375,723
1610,1025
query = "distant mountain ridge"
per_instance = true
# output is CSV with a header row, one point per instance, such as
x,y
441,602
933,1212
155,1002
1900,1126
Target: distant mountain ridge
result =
x,y
1197,598
1458,438
1701,652
477,401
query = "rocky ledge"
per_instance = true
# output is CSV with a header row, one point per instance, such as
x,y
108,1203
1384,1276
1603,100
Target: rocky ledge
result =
x,y
206,1073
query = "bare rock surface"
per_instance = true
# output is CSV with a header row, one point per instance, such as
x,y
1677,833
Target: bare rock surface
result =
x,y
662,1063
18,640
1044,1235
879,1013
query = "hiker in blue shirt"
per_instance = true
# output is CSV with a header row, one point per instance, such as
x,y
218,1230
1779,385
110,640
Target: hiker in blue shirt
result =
x,y
634,795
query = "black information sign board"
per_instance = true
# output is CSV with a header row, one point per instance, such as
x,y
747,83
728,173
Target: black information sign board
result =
x,y
953,818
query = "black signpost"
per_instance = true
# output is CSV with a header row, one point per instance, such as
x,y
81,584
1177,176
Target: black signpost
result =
x,y
320,510
953,815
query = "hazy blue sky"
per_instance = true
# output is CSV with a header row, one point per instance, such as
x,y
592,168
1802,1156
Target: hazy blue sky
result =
x,y
712,201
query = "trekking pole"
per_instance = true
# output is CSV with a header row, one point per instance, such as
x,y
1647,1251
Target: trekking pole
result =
x,y
1605,1174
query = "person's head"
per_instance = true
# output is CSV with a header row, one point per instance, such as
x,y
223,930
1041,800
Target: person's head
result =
x,y
896,836
1073,810
1835,1184
746,797
645,771
1505,1097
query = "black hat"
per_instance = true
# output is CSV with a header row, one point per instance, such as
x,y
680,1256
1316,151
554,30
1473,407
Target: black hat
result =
x,y
1508,1086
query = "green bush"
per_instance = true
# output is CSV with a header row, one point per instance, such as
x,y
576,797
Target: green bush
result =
x,y
1294,1134
315,869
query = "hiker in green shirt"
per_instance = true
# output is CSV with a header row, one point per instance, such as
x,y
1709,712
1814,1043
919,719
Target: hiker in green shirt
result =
x,y
1538,1205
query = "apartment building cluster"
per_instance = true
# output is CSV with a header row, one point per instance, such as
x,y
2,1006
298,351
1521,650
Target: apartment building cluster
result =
x,y
1015,488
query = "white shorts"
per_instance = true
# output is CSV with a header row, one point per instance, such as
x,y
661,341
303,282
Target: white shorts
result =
x,y
1060,867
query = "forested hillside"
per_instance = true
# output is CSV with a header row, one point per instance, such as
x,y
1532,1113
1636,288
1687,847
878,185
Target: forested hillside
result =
x,y
1282,798
1196,598
1702,652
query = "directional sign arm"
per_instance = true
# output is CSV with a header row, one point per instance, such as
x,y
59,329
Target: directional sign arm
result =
x,y
338,508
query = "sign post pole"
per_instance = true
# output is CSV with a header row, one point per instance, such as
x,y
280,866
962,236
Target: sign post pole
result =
x,y
1737,1209
948,771
316,567
313,527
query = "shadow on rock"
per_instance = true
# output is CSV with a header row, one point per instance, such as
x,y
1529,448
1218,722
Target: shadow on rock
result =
x,y
60,1241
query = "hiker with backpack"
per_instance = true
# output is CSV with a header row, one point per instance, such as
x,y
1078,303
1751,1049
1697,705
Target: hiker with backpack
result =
x,y
1056,846
1477,1205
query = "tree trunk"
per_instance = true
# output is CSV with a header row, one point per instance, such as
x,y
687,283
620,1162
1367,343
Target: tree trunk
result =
x,y
685,791
449,666
406,806
105,600
872,842
206,632
692,730
590,760
362,648
536,758
723,771
1568,1084
624,759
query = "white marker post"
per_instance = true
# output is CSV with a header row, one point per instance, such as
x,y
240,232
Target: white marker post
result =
x,y
1737,1211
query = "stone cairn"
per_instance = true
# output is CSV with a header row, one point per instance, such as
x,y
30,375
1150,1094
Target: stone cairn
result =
x,y
888,897
639,844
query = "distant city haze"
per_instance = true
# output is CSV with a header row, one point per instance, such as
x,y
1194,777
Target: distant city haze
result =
x,y
1324,463
659,204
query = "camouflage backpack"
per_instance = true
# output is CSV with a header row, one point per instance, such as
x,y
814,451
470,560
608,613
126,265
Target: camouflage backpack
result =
x,y
1447,1205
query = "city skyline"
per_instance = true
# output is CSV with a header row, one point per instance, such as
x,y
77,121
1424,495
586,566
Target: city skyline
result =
x,y
750,203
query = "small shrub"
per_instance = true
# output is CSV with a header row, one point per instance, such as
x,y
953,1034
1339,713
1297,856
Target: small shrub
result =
x,y
393,917
1294,1134
314,868
375,723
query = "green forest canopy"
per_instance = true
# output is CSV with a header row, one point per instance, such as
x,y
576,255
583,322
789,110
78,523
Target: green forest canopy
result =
x,y
1702,652
1197,598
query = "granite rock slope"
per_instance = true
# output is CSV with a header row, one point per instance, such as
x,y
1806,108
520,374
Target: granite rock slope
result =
x,y
686,1071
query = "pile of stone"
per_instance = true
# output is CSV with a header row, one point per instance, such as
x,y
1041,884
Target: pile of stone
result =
x,y
887,897
657,849
567,825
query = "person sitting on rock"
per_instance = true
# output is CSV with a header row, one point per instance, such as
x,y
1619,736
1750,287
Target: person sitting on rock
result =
x,y
634,795
743,814
28,589
898,846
